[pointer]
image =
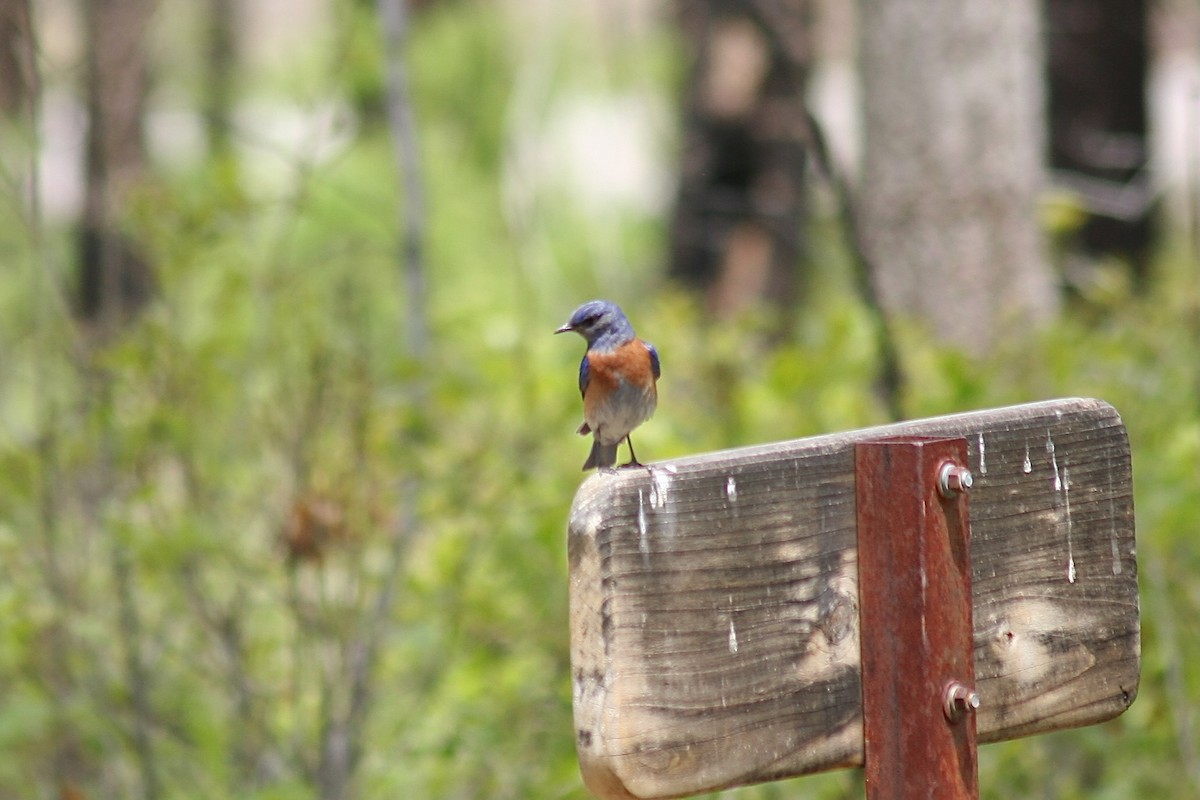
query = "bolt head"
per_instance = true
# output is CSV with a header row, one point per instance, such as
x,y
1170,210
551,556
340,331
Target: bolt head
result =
x,y
953,479
959,700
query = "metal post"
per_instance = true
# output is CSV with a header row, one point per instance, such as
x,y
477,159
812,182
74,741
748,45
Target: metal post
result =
x,y
914,571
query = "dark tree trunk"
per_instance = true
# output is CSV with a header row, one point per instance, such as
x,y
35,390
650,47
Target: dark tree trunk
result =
x,y
1097,70
736,231
18,72
114,279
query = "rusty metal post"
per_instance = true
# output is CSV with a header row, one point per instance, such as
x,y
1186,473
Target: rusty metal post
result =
x,y
914,571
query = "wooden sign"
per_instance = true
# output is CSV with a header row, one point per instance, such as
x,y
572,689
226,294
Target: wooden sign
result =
x,y
714,600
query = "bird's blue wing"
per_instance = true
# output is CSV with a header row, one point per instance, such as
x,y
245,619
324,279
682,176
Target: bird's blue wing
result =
x,y
583,375
654,363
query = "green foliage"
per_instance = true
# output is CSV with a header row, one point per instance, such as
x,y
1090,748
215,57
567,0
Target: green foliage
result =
x,y
270,393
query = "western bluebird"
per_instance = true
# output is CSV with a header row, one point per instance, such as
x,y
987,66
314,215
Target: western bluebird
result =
x,y
616,378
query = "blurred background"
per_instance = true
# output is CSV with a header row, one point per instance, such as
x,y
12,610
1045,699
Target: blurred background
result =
x,y
286,443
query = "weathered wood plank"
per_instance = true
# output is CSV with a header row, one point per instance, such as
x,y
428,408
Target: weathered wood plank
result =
x,y
714,621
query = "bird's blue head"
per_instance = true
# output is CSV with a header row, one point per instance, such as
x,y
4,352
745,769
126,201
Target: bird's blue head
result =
x,y
603,324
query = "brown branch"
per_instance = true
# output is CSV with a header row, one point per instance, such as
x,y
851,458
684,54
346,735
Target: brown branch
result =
x,y
136,673
890,380
224,624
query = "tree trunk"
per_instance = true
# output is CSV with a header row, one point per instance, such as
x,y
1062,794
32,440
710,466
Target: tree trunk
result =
x,y
1097,72
737,224
114,279
18,69
218,88
953,165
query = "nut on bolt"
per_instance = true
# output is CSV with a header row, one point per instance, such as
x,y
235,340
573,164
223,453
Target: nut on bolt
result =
x,y
959,700
953,479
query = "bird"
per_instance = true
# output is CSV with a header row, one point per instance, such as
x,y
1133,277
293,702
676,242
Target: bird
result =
x,y
617,379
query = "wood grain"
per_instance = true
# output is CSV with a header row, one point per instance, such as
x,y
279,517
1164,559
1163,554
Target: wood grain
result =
x,y
714,616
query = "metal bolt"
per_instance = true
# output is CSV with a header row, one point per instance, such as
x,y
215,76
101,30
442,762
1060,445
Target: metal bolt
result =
x,y
953,479
959,700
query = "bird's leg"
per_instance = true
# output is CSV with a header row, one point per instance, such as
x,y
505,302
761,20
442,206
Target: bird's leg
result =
x,y
633,462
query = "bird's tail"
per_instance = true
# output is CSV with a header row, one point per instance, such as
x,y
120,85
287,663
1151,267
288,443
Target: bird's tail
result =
x,y
602,456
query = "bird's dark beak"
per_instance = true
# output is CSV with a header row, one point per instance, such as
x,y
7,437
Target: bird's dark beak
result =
x,y
565,328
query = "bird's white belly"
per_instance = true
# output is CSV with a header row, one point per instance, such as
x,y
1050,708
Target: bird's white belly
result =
x,y
627,407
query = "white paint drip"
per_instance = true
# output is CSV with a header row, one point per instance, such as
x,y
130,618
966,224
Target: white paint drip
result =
x,y
982,456
1067,503
733,645
1027,465
659,488
1053,462
643,528
731,489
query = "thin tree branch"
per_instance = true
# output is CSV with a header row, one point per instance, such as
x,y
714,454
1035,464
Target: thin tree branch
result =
x,y
341,739
393,15
129,623
889,381
1180,707
135,669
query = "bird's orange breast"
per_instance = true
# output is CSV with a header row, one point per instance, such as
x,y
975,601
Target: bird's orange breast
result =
x,y
629,363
